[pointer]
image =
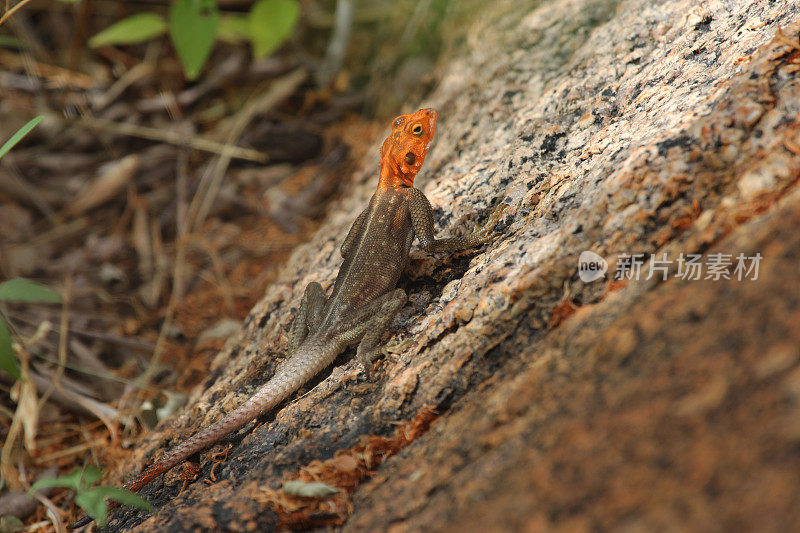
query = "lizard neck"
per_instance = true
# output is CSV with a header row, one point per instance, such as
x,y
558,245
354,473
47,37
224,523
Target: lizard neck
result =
x,y
392,178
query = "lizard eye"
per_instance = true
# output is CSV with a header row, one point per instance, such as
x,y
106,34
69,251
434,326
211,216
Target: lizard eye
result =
x,y
411,158
417,129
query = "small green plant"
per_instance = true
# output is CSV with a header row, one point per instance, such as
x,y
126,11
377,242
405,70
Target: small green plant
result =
x,y
19,291
93,499
194,26
11,524
7,41
22,132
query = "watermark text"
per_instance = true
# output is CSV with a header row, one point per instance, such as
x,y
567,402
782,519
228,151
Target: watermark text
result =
x,y
694,267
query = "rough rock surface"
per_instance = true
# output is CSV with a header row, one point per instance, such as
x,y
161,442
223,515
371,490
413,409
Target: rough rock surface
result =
x,y
619,127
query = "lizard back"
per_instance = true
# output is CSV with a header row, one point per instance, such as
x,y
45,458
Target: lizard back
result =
x,y
376,260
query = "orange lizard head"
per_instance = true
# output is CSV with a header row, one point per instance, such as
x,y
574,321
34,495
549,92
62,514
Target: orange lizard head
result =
x,y
404,150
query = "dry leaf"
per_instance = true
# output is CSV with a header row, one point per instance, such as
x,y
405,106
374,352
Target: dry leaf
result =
x,y
109,183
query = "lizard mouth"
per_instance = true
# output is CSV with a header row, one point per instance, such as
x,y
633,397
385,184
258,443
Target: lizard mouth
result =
x,y
432,117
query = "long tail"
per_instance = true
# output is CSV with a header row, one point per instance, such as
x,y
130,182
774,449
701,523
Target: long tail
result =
x,y
310,359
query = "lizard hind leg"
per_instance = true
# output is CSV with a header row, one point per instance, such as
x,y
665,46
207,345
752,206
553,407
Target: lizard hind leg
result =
x,y
369,323
308,316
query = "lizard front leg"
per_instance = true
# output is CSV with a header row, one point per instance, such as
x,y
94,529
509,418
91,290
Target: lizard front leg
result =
x,y
308,316
422,221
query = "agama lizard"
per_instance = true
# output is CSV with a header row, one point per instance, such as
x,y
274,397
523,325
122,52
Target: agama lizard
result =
x,y
364,299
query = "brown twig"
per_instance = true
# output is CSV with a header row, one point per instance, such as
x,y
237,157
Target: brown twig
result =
x,y
23,416
337,46
202,200
58,76
172,137
135,74
219,272
278,90
72,450
53,512
78,44
62,342
176,294
72,400
11,11
135,344
20,189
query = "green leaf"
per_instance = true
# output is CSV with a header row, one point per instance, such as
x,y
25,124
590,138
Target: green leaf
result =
x,y
90,475
7,360
22,132
66,482
8,41
71,481
79,480
132,30
271,23
93,501
193,27
11,524
125,497
234,29
23,290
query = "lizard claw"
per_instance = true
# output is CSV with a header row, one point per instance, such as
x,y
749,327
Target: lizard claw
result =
x,y
389,351
394,350
487,232
365,359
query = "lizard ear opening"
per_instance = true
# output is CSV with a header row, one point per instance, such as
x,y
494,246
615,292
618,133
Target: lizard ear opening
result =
x,y
411,158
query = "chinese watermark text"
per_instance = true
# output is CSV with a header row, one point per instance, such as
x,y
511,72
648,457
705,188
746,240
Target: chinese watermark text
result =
x,y
694,267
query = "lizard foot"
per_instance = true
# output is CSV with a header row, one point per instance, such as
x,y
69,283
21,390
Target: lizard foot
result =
x,y
487,233
396,348
389,351
366,358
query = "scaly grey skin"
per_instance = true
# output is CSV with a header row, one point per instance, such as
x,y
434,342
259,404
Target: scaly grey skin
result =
x,y
364,299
